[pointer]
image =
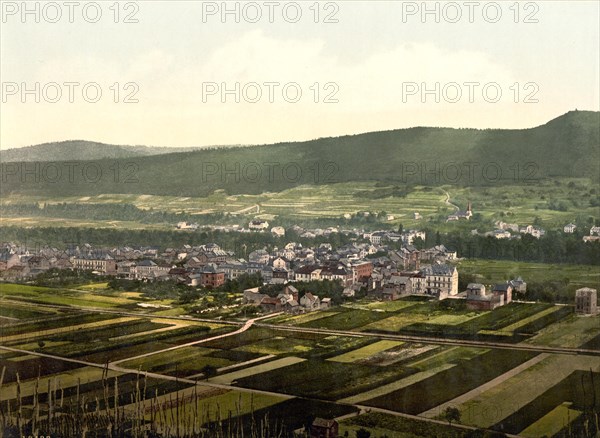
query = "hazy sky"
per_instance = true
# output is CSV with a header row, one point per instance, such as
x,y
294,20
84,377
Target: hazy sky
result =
x,y
362,66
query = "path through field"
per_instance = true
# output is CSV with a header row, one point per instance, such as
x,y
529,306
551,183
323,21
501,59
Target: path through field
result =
x,y
66,329
434,412
242,329
447,201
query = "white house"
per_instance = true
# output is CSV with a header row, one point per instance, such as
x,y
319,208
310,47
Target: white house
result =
x,y
570,228
278,231
376,237
187,226
280,263
440,280
258,225
310,302
501,234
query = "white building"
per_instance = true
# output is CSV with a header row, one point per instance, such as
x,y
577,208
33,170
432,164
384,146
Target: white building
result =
x,y
501,234
376,237
440,280
258,225
278,231
187,226
408,237
586,301
570,228
533,231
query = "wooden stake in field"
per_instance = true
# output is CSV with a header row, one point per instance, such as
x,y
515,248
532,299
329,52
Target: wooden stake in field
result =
x,y
116,405
8,401
19,407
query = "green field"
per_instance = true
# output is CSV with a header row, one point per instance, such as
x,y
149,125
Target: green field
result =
x,y
229,378
499,271
219,407
22,311
335,380
511,328
278,345
572,331
453,355
390,306
63,297
366,351
300,319
552,423
427,365
499,402
305,370
181,362
346,320
380,424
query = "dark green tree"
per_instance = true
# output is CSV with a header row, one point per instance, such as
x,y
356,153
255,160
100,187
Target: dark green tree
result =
x,y
452,414
363,433
209,371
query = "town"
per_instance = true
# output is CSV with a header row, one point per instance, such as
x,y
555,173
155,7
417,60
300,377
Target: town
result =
x,y
378,318
368,267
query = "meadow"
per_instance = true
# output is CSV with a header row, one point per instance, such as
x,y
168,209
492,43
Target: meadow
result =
x,y
499,271
61,297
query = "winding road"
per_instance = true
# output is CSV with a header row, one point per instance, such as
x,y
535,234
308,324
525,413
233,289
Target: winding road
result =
x,y
447,201
242,329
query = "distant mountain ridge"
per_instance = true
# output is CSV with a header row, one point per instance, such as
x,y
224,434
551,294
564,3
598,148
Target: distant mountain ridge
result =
x,y
567,146
81,150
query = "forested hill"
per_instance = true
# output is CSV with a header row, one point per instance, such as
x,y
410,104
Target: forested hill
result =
x,y
81,150
568,146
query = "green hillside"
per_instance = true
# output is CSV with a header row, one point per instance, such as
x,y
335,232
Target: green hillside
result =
x,y
81,150
568,146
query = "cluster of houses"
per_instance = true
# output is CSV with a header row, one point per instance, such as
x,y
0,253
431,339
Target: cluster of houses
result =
x,y
406,237
357,266
594,235
390,282
288,300
481,298
262,226
513,231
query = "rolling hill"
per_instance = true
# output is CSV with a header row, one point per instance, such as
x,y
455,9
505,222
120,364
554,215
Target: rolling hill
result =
x,y
568,146
81,150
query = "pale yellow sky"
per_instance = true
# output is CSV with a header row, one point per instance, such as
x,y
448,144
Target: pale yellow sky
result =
x,y
173,77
